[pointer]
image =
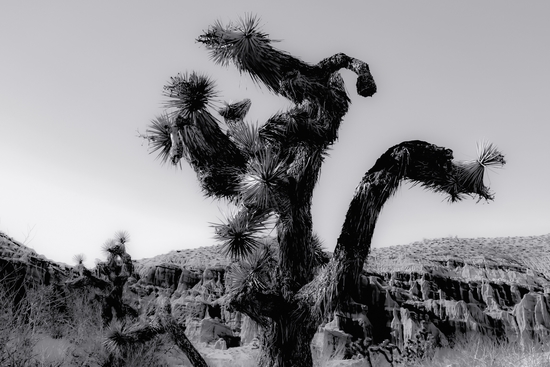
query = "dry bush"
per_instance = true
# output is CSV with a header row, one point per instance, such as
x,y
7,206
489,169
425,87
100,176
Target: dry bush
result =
x,y
479,351
21,321
53,315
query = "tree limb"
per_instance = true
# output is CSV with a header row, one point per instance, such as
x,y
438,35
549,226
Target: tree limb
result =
x,y
422,163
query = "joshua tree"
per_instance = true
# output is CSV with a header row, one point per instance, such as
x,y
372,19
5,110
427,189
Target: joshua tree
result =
x,y
117,269
269,172
79,260
125,334
110,276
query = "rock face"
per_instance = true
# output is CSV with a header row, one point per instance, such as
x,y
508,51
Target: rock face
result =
x,y
22,263
498,287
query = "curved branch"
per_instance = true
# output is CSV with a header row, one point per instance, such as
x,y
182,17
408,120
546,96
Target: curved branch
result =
x,y
250,49
366,87
177,333
422,163
198,139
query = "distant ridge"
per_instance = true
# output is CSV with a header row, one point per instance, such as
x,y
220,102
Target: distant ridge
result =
x,y
531,252
510,252
520,252
197,258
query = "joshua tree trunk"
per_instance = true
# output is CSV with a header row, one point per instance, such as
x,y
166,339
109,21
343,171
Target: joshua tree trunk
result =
x,y
283,344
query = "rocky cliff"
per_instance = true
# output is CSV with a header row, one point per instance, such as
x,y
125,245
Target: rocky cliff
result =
x,y
495,286
22,264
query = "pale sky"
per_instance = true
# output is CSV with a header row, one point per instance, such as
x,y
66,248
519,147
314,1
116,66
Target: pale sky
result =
x,y
79,79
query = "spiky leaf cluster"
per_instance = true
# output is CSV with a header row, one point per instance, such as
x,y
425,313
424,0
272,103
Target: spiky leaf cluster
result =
x,y
264,180
241,233
252,286
122,337
247,138
158,136
79,259
256,271
122,237
470,174
189,93
249,49
118,260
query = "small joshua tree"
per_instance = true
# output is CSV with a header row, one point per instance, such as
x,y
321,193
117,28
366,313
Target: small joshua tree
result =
x,y
124,335
269,173
110,276
79,260
117,269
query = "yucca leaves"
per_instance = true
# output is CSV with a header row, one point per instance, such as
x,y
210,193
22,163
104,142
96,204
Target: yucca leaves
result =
x,y
118,260
121,338
79,259
470,173
159,137
122,237
255,271
247,138
246,46
252,286
242,233
108,245
264,180
320,257
189,93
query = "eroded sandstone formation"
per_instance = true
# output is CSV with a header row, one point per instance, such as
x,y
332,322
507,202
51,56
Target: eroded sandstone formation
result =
x,y
22,264
459,286
498,287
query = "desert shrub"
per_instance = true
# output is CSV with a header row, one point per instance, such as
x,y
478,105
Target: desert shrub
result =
x,y
45,310
420,348
373,354
133,349
83,315
23,320
475,350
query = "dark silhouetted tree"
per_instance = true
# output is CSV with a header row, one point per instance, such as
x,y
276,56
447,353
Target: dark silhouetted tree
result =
x,y
289,285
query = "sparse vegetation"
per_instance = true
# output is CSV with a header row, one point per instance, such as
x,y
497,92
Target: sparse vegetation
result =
x,y
478,351
61,325
51,325
48,315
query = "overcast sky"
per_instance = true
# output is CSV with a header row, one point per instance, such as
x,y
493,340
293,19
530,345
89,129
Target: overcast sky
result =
x,y
78,80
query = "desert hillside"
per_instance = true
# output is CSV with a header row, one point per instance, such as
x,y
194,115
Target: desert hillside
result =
x,y
494,287
521,253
